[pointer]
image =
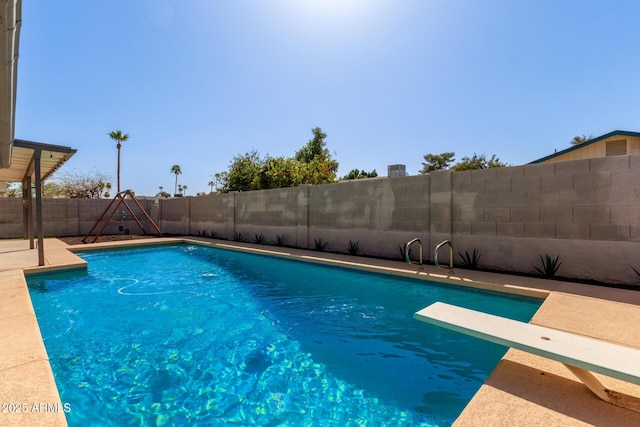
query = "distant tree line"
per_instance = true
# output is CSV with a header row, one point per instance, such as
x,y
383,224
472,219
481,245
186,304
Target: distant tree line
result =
x,y
443,161
78,185
360,174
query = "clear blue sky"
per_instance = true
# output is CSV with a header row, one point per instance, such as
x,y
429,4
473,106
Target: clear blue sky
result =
x,y
197,82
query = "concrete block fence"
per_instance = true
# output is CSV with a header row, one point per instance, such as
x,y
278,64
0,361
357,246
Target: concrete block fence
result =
x,y
587,212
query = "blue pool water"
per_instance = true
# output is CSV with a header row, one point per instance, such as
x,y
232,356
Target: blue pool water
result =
x,y
173,335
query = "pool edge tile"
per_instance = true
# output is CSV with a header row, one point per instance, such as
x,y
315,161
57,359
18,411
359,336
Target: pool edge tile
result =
x,y
38,398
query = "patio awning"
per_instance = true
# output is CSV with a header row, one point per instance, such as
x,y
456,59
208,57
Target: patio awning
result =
x,y
32,163
52,157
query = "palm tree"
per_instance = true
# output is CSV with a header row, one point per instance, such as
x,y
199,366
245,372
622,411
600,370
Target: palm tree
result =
x,y
175,169
119,138
211,184
184,189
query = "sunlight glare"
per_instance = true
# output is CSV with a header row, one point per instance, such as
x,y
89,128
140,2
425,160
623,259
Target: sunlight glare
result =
x,y
331,19
332,8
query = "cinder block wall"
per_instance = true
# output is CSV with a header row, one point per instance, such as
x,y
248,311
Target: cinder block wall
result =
x,y
174,216
587,212
11,217
380,215
75,217
61,216
210,215
270,213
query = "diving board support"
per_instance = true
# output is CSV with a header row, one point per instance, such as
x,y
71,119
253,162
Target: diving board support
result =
x,y
592,383
580,354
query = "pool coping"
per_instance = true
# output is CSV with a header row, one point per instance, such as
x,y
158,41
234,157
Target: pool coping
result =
x,y
522,390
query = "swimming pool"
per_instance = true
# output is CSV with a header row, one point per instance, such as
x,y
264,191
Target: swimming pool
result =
x,y
182,334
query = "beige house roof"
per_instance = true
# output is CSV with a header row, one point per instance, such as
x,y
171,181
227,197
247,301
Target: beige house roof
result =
x,y
602,146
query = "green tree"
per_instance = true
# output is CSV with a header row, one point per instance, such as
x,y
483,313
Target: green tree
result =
x,y
279,172
244,172
162,193
494,162
312,164
320,171
221,181
319,166
478,162
359,174
577,140
436,162
175,169
211,184
315,147
119,137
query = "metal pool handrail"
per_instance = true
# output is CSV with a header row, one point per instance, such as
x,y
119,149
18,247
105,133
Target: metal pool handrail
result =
x,y
435,255
406,252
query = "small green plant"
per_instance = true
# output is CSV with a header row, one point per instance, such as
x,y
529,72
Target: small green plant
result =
x,y
258,239
549,266
470,261
404,255
238,237
320,245
353,248
280,239
213,234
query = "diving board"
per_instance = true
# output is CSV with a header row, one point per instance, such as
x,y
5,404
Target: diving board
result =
x,y
580,354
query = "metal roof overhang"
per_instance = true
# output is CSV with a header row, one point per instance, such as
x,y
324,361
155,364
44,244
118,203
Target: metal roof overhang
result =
x,y
32,163
10,22
23,158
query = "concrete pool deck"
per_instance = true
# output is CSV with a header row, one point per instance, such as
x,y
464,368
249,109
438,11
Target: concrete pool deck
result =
x,y
523,389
